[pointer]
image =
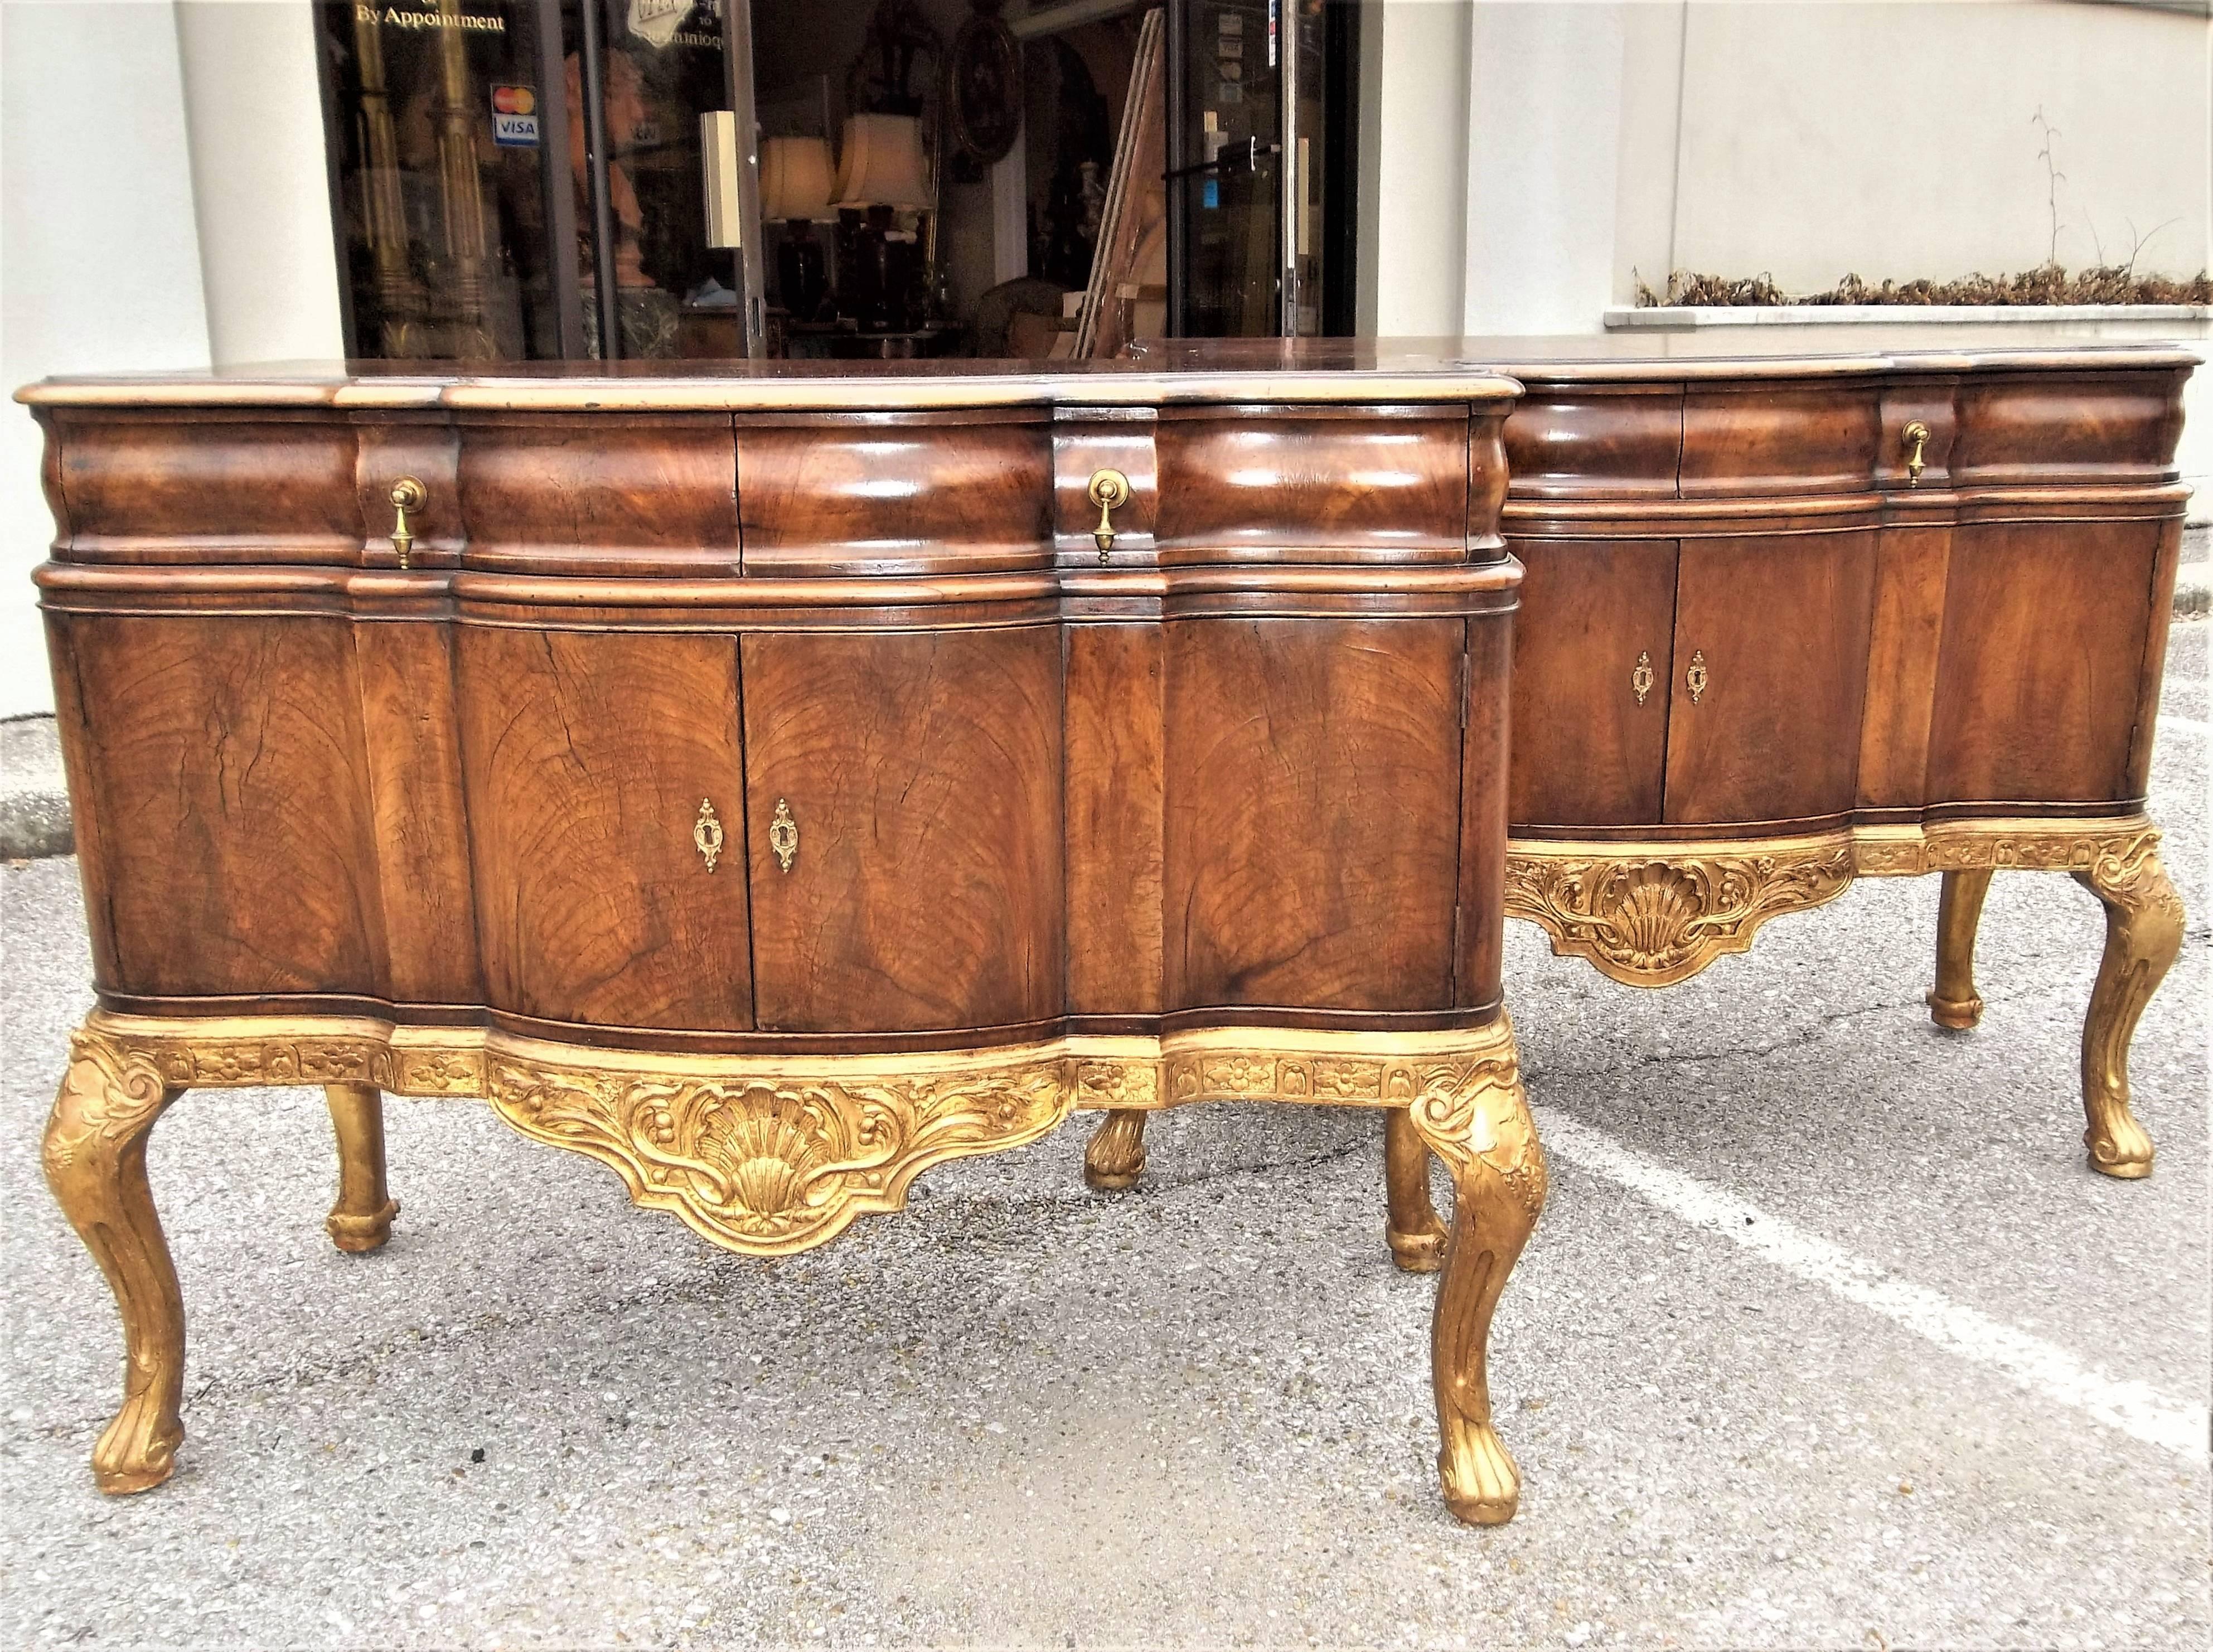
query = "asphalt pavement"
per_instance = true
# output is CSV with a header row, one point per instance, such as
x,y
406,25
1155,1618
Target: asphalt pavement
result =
x,y
1828,1337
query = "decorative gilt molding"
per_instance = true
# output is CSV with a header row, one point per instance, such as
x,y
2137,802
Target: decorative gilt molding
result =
x,y
1653,913
768,1155
769,1166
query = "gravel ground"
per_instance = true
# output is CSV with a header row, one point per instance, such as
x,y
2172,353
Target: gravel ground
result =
x,y
1197,1413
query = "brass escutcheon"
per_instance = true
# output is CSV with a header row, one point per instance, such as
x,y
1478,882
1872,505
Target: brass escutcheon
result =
x,y
1916,441
707,834
407,494
784,835
1108,489
1696,676
1641,679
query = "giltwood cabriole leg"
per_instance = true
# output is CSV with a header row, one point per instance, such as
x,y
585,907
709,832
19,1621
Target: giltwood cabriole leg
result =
x,y
362,1218
1478,1122
1115,1157
1953,1001
2144,933
1412,1226
95,1163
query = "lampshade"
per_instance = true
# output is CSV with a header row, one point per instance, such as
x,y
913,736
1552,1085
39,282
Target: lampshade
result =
x,y
795,178
882,165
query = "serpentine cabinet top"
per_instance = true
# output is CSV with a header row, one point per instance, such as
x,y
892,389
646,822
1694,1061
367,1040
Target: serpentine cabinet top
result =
x,y
1158,371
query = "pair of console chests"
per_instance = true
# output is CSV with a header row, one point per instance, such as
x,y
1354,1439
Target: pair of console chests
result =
x,y
773,781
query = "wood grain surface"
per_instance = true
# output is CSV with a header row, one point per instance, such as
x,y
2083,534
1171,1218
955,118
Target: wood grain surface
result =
x,y
586,756
2044,648
922,772
237,845
1783,623
1585,751
1313,829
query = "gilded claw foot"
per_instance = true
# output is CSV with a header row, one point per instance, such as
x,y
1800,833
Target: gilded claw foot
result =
x,y
1473,1115
1412,1226
2144,934
1954,1002
95,1163
362,1218
1116,1155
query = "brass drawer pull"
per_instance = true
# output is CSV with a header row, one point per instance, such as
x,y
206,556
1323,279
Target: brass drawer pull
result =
x,y
1108,489
707,834
1917,443
408,494
784,835
1641,679
1695,678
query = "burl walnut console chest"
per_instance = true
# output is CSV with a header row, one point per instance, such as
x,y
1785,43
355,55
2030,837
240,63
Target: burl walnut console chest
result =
x,y
773,783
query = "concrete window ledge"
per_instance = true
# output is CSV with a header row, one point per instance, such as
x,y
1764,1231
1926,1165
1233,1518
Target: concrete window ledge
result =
x,y
1684,318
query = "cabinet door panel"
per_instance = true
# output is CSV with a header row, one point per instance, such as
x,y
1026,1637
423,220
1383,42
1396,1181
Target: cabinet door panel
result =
x,y
1585,752
230,846
2039,681
1313,783
923,774
1783,623
587,755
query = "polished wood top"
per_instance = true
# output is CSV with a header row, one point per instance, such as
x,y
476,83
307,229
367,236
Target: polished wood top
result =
x,y
1160,371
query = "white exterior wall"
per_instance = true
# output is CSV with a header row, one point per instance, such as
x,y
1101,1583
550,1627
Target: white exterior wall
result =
x,y
261,192
99,262
163,204
1598,143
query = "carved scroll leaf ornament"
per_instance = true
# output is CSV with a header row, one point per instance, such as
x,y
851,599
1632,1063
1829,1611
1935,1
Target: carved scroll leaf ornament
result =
x,y
772,1167
1651,922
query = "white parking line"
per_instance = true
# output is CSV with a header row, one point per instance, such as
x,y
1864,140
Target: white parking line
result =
x,y
2136,1409
2188,725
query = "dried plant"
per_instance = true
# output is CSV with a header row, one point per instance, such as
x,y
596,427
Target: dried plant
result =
x,y
2048,283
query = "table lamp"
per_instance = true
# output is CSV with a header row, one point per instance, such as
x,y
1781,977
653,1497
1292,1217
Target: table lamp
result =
x,y
882,172
795,183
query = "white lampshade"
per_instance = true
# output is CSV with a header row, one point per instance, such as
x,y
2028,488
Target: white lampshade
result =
x,y
795,178
882,165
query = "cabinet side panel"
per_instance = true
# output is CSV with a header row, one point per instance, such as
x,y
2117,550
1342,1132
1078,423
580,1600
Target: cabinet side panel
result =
x,y
1114,819
2039,683
1483,810
413,738
1595,614
921,773
1908,630
587,755
1314,821
236,845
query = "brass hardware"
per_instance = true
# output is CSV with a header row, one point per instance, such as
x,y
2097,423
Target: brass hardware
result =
x,y
1916,441
407,494
707,834
784,835
1641,679
1696,676
1108,489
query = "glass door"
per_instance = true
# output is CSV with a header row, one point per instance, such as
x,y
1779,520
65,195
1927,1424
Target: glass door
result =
x,y
522,180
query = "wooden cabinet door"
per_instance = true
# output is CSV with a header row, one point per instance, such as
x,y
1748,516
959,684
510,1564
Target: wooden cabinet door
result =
x,y
586,757
1777,630
915,781
1314,813
1595,627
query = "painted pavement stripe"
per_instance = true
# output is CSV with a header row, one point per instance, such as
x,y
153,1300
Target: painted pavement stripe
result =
x,y
2134,1408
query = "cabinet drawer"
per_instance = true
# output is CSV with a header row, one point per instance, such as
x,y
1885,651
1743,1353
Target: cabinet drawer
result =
x,y
1329,484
